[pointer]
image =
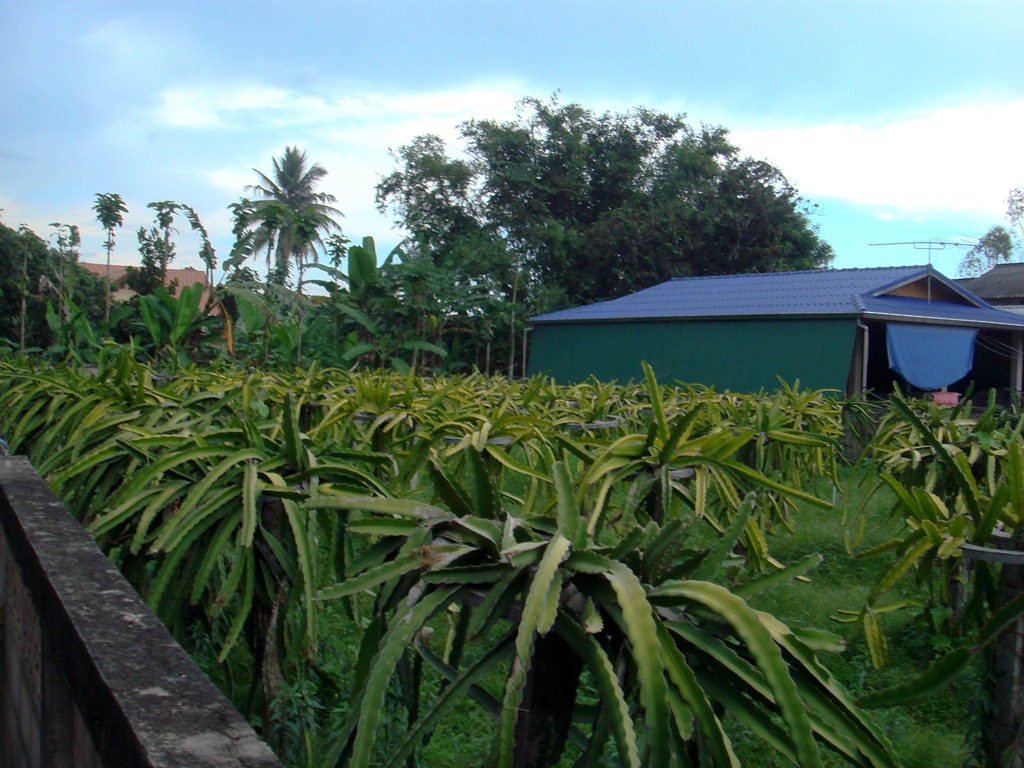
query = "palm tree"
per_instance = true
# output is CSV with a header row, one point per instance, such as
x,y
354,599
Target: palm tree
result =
x,y
165,211
289,213
68,240
110,210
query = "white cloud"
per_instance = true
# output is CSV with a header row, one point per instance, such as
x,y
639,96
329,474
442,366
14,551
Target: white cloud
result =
x,y
254,105
211,107
964,157
351,135
231,181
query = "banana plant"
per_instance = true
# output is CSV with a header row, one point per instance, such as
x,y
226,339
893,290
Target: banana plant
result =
x,y
176,326
75,337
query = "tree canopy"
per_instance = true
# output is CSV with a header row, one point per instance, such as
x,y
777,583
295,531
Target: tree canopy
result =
x,y
110,210
289,213
33,275
591,206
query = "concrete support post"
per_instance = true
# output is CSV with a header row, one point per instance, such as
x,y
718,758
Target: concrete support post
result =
x,y
1008,672
1017,362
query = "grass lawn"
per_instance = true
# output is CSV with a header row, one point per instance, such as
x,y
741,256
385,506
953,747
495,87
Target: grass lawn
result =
x,y
927,735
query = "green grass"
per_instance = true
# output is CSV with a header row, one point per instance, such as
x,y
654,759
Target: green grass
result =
x,y
928,735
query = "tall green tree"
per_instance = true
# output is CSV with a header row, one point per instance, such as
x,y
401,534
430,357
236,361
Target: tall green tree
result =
x,y
431,195
110,210
33,276
563,206
68,239
165,210
24,258
576,190
155,252
289,214
207,253
994,247
306,225
452,249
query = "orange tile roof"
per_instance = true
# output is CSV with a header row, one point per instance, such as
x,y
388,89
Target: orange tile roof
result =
x,y
117,271
118,274
185,277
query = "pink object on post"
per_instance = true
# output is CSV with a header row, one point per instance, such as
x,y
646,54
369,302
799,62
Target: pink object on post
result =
x,y
946,398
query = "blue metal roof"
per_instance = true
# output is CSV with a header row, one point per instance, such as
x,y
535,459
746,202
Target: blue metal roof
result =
x,y
849,292
921,309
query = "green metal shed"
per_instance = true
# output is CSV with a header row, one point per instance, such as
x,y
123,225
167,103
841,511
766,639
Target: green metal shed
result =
x,y
849,330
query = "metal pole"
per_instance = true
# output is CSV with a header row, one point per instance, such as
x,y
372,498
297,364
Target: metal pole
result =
x,y
525,331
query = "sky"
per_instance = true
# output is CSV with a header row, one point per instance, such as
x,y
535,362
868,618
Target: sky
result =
x,y
900,120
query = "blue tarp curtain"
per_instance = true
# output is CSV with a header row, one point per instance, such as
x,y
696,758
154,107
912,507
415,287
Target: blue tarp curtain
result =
x,y
930,356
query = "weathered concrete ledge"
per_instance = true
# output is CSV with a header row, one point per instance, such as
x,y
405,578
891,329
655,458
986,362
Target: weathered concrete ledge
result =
x,y
89,676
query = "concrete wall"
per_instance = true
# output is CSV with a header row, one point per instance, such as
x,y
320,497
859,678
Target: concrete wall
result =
x,y
88,675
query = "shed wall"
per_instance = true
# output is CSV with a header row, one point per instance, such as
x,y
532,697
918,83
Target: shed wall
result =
x,y
740,355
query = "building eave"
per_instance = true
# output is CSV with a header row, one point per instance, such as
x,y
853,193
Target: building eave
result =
x,y
696,318
864,315
891,318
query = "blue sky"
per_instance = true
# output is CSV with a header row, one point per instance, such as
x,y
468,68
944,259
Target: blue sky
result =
x,y
900,119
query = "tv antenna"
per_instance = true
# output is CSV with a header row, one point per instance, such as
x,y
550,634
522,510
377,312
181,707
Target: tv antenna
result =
x,y
930,245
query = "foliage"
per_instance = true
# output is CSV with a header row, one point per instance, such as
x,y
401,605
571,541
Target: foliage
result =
x,y
110,210
591,207
65,281
196,502
924,734
432,195
288,214
243,506
995,247
176,327
147,277
955,477
559,206
34,275
652,632
563,206
23,253
157,250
